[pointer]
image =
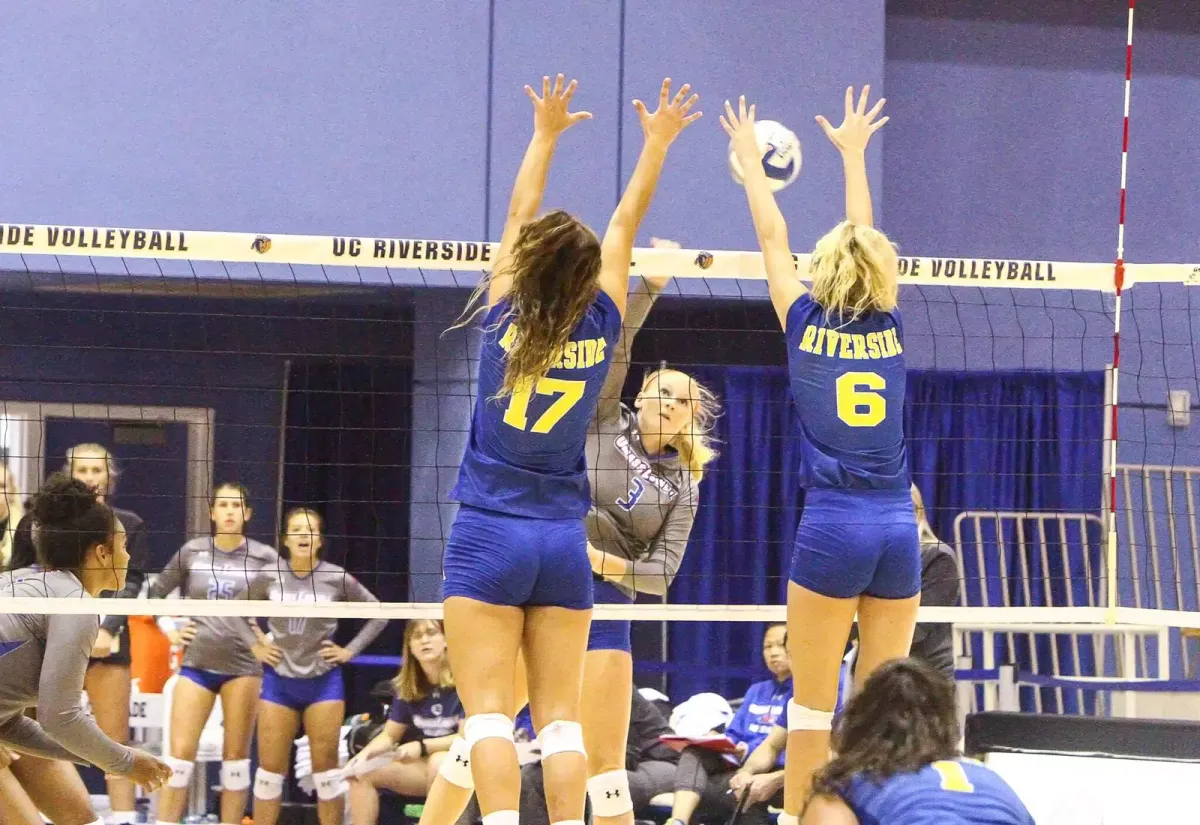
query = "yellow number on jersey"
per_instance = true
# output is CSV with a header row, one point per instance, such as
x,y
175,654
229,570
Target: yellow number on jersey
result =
x,y
861,407
954,778
568,392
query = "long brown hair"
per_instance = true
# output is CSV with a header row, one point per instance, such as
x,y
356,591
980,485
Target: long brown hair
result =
x,y
902,720
555,265
411,684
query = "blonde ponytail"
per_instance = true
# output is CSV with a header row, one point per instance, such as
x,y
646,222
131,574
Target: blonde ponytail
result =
x,y
853,271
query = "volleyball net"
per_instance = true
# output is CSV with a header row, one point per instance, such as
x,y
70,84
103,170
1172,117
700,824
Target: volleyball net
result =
x,y
318,371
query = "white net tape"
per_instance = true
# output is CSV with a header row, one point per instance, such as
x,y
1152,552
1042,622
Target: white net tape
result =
x,y
214,254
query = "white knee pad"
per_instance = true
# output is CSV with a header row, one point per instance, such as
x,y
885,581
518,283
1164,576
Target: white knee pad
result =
x,y
235,774
487,726
802,718
456,767
609,793
787,819
267,785
561,737
181,772
330,784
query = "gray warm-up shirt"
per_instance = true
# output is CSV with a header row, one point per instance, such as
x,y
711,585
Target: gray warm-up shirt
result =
x,y
202,571
299,639
643,506
43,660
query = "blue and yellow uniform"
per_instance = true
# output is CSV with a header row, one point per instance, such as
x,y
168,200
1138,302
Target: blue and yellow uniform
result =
x,y
519,536
959,790
858,534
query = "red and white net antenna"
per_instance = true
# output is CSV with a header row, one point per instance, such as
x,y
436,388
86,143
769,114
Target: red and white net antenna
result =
x,y
1119,282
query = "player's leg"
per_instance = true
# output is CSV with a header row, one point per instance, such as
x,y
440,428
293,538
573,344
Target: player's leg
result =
x,y
557,624
555,647
451,790
836,553
108,687
605,705
607,684
818,627
191,704
277,727
239,702
56,789
16,808
406,779
489,568
323,724
693,776
483,640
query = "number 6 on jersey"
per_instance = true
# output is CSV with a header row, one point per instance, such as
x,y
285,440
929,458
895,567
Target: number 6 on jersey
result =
x,y
859,403
569,393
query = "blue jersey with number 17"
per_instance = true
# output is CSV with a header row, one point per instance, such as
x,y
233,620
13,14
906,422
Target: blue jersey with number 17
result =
x,y
525,456
960,791
847,380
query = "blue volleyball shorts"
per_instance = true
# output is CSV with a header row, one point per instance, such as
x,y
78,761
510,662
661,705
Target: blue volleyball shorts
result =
x,y
858,542
501,559
298,694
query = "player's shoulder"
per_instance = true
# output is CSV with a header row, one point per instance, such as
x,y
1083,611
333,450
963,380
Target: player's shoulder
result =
x,y
801,310
328,570
197,545
604,313
37,583
335,576
263,553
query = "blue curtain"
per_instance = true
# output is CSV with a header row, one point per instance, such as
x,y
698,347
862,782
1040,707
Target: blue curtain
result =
x,y
978,441
347,455
1023,442
739,551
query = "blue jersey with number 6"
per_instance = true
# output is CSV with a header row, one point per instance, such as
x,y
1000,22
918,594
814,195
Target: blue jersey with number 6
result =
x,y
525,456
847,381
960,791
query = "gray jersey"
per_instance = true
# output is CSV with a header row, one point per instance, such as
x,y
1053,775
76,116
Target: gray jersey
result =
x,y
201,571
43,659
299,639
642,507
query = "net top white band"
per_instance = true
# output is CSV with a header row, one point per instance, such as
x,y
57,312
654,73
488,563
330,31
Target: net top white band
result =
x,y
29,241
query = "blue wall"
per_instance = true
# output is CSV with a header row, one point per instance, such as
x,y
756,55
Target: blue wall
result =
x,y
1006,141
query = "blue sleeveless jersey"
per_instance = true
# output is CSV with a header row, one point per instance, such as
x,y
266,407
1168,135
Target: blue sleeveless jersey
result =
x,y
847,383
525,456
961,791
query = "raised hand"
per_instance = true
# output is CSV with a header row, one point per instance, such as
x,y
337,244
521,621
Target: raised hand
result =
x,y
550,115
671,117
857,125
740,128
